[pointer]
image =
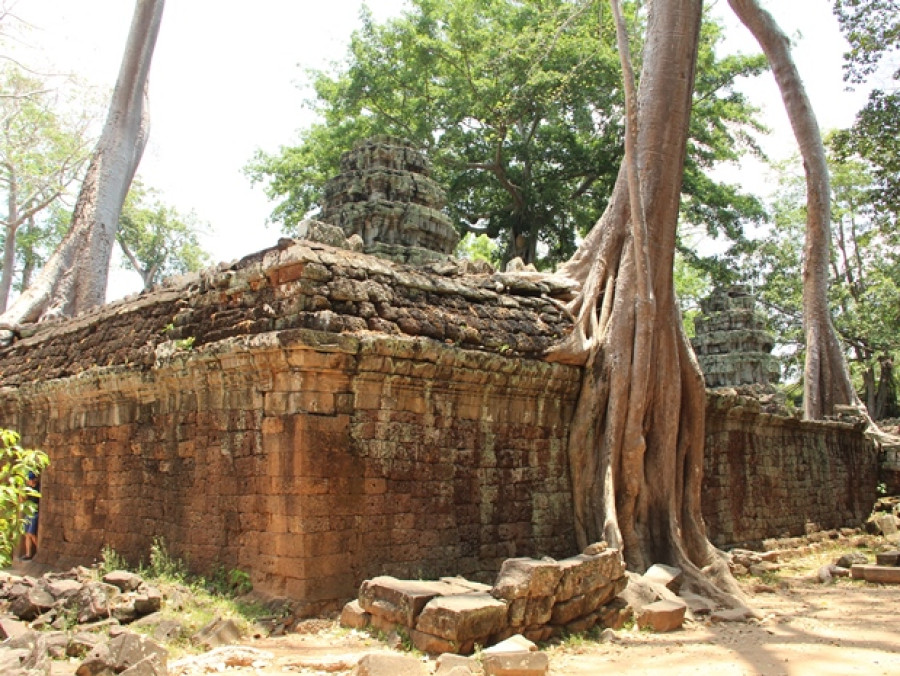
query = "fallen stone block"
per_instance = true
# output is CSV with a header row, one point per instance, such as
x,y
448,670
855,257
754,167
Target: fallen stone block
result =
x,y
615,614
353,616
468,585
375,664
516,664
456,665
398,601
93,601
886,559
62,590
126,581
437,645
148,601
882,524
217,633
668,576
33,602
584,604
586,572
10,628
463,617
514,644
123,653
882,574
526,578
662,616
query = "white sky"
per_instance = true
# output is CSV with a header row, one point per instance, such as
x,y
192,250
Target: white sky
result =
x,y
225,74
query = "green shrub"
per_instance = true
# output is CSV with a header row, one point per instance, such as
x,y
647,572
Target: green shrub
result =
x,y
16,464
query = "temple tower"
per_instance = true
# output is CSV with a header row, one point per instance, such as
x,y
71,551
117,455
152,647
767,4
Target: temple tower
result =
x,y
385,195
732,342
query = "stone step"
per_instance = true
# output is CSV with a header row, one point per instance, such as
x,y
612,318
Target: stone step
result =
x,y
870,573
888,558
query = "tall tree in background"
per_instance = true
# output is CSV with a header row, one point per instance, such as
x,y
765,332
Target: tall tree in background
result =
x,y
872,27
75,277
156,239
826,377
520,107
636,439
41,154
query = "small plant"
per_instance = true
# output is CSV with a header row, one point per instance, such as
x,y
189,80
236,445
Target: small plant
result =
x,y
110,560
881,489
164,565
17,468
185,343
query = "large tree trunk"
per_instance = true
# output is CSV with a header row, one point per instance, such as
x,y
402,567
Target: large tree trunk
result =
x,y
74,278
826,377
636,440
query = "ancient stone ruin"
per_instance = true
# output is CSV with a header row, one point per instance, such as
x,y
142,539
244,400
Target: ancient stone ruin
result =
x,y
385,195
534,598
732,342
317,416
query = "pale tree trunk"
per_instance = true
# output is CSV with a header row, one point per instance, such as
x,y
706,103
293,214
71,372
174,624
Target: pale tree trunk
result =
x,y
74,278
637,435
826,377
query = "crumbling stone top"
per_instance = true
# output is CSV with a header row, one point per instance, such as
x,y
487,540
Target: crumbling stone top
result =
x,y
732,342
298,285
385,195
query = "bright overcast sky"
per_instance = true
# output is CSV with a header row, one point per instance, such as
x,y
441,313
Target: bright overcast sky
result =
x,y
225,74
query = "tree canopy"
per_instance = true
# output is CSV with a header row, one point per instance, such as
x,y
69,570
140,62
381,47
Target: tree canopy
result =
x,y
521,109
156,239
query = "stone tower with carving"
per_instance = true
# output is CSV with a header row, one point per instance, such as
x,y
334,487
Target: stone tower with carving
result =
x,y
385,194
732,342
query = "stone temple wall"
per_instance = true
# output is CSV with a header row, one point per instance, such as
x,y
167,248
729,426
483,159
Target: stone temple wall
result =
x,y
253,420
769,476
316,417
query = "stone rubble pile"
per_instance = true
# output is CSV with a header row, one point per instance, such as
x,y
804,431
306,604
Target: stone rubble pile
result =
x,y
534,598
74,615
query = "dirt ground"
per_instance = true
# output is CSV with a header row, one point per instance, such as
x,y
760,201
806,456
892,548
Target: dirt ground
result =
x,y
806,628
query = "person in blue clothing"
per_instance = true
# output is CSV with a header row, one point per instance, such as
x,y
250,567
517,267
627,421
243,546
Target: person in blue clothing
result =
x,y
31,524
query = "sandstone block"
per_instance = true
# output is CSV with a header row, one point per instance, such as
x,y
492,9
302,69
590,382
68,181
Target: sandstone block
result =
x,y
63,589
524,577
34,601
516,664
615,614
462,617
10,628
123,653
853,558
882,574
886,559
662,616
584,604
217,633
436,645
448,664
380,664
353,616
126,581
398,601
514,644
668,576
585,572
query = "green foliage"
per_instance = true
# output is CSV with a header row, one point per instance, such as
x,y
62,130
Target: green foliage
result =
x,y
110,560
872,27
17,465
865,269
519,106
156,239
479,248
42,151
162,565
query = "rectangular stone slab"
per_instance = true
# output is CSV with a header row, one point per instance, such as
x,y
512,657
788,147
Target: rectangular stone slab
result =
x,y
888,558
399,601
883,574
463,617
